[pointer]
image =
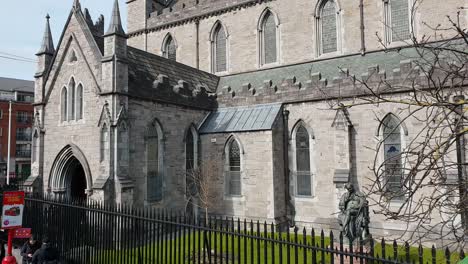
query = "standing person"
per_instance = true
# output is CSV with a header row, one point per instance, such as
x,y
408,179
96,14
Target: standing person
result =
x,y
46,255
29,248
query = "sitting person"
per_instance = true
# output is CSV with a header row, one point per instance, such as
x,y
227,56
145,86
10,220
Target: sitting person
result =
x,y
29,248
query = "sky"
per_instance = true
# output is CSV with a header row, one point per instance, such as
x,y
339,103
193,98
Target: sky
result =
x,y
23,23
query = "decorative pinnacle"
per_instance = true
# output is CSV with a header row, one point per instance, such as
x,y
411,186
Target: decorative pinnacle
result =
x,y
76,5
47,46
115,26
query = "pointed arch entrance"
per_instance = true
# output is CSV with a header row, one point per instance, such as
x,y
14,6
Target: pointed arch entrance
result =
x,y
70,176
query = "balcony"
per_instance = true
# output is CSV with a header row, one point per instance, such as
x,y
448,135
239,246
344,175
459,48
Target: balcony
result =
x,y
23,153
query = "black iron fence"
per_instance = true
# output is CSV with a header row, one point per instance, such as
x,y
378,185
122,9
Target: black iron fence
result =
x,y
92,232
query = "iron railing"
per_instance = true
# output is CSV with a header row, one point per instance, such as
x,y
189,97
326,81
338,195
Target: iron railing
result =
x,y
93,232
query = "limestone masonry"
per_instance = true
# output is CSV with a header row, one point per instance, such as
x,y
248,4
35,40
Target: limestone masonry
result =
x,y
242,87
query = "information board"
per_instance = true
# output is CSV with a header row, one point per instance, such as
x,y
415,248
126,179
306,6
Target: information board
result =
x,y
12,213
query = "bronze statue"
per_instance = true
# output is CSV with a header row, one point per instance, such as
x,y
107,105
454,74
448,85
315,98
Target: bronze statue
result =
x,y
354,215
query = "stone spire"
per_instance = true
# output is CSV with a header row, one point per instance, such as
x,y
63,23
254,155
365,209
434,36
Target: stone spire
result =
x,y
115,26
76,5
47,46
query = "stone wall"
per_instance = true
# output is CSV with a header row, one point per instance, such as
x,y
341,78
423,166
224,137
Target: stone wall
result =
x,y
86,71
259,199
297,27
175,122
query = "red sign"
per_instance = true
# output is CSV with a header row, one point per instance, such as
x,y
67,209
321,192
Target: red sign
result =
x,y
23,233
12,213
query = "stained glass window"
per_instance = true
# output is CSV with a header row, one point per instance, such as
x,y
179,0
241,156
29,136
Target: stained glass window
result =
x,y
303,174
392,153
234,182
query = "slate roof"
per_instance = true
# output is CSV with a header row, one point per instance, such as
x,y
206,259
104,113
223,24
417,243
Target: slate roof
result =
x,y
11,85
329,68
243,118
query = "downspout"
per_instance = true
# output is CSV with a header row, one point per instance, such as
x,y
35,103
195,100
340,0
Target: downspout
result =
x,y
290,211
197,49
363,42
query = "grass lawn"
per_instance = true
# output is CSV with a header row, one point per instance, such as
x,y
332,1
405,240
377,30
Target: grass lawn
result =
x,y
244,250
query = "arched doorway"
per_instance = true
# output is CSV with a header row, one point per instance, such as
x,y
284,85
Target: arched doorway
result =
x,y
77,181
70,175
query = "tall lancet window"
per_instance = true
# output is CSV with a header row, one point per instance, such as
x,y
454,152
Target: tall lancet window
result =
x,y
104,144
35,146
233,174
303,172
393,169
268,39
169,48
64,104
397,20
154,191
79,102
219,49
191,161
72,90
328,27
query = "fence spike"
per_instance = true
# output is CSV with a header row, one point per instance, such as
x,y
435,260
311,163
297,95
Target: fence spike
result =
x,y
407,251
462,254
395,250
383,248
420,253
447,255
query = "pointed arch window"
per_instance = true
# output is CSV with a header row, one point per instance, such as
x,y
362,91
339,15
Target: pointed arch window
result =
x,y
64,104
397,20
392,147
79,102
219,49
268,39
328,27
154,177
303,164
191,159
169,48
234,171
72,90
122,148
104,144
35,146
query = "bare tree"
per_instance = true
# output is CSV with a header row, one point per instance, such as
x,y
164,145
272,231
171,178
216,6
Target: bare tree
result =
x,y
200,186
424,183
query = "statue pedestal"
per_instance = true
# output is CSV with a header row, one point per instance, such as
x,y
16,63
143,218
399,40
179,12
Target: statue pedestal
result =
x,y
356,251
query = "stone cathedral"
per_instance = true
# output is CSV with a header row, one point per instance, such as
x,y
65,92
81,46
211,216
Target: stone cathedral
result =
x,y
243,87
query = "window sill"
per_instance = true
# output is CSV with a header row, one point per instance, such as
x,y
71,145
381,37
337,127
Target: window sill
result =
x,y
72,122
234,198
329,55
305,198
398,43
269,65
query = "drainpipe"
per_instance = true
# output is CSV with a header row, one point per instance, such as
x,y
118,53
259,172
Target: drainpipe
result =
x,y
197,49
290,211
361,11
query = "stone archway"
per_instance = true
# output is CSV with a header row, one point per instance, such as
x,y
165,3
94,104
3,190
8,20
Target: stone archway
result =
x,y
70,176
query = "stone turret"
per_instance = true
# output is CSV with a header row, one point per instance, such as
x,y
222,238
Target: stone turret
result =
x,y
115,79
114,89
44,59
